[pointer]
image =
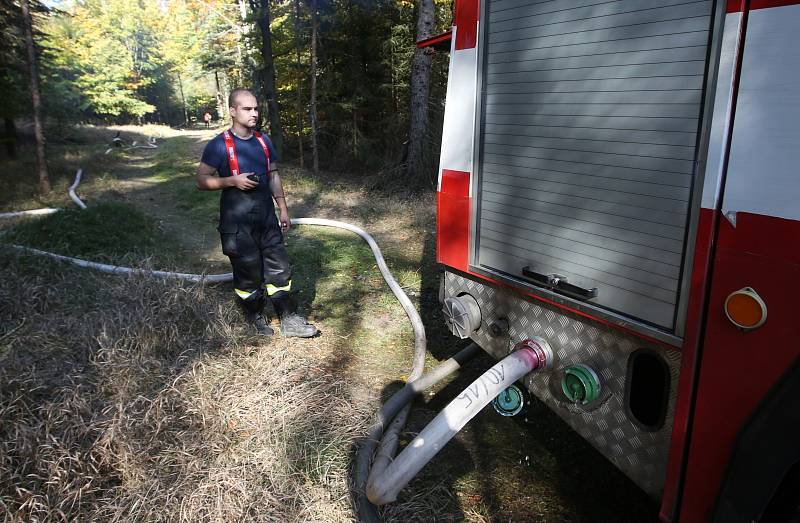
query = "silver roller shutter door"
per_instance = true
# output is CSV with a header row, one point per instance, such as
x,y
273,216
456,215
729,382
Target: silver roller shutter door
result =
x,y
590,114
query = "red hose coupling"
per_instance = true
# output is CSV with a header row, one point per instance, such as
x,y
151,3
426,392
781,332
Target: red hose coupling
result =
x,y
539,350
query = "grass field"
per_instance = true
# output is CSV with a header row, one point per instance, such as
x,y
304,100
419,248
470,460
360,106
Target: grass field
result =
x,y
133,399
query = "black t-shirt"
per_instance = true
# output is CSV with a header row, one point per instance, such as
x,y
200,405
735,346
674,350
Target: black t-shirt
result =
x,y
236,205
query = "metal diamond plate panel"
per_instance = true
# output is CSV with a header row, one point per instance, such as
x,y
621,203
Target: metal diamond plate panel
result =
x,y
640,454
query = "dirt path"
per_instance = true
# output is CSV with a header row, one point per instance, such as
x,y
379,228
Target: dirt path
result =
x,y
136,185
368,343
496,469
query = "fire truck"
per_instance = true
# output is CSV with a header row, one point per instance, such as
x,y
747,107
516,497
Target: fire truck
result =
x,y
622,179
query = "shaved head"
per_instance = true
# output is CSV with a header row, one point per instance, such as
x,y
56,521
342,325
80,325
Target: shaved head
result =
x,y
236,94
243,108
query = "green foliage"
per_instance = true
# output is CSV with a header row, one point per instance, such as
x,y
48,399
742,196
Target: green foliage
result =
x,y
14,79
61,92
150,60
200,102
171,61
365,53
105,231
111,47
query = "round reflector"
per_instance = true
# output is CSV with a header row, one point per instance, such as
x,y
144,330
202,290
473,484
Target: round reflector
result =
x,y
746,309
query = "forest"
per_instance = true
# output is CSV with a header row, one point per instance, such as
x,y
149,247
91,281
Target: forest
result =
x,y
135,385
333,76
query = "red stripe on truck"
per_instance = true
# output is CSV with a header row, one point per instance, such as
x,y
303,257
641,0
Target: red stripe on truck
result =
x,y
737,6
701,265
736,368
452,220
455,183
466,22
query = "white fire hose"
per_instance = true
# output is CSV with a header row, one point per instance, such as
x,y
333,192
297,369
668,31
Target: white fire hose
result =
x,y
74,186
149,144
50,210
387,478
104,267
384,485
116,269
32,212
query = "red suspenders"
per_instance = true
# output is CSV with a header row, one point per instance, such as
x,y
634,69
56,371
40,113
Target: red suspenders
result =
x,y
230,147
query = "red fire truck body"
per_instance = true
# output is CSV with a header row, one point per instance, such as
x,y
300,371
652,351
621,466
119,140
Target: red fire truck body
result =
x,y
621,178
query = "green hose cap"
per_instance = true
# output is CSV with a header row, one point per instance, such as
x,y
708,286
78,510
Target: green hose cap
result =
x,y
509,402
580,384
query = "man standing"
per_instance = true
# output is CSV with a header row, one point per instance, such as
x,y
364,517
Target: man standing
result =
x,y
207,119
251,235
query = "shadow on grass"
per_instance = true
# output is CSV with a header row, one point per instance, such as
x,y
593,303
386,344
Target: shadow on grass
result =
x,y
121,387
79,353
532,467
68,149
484,469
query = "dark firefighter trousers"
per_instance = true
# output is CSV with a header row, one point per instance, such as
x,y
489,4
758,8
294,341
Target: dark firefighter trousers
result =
x,y
260,263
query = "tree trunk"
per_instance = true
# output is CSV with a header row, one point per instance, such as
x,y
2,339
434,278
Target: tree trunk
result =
x,y
241,29
395,105
313,104
183,101
10,137
355,134
261,7
420,83
36,98
222,113
299,92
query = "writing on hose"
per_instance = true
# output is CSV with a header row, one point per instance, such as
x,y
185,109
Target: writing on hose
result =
x,y
480,388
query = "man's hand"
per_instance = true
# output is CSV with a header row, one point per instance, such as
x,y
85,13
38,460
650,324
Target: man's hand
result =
x,y
286,223
242,182
207,181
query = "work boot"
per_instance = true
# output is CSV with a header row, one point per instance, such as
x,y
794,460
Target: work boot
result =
x,y
292,324
295,326
260,324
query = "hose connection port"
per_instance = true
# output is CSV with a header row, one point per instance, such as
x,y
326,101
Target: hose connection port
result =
x,y
580,384
540,348
510,402
462,315
498,327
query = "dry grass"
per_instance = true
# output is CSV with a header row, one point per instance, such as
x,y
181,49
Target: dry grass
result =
x,y
133,400
68,149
